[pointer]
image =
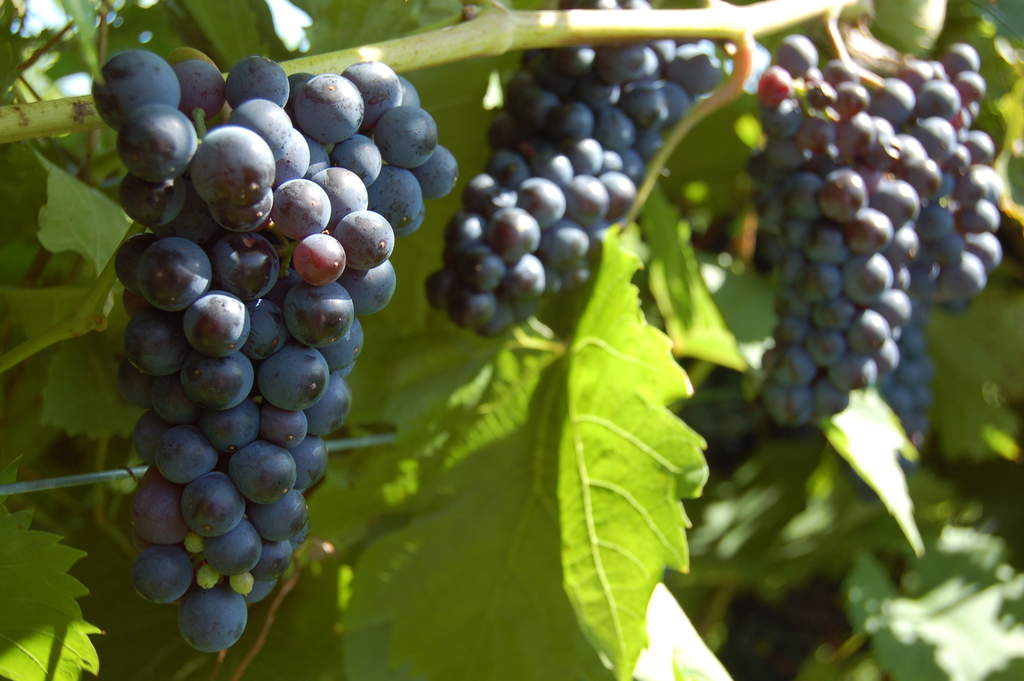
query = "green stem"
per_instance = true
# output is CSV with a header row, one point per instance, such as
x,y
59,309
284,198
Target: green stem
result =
x,y
493,32
90,316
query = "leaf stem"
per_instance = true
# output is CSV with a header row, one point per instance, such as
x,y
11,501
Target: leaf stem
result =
x,y
492,32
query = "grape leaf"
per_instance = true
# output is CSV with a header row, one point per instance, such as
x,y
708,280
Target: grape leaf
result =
x,y
513,528
81,396
236,29
38,309
78,218
691,316
746,302
42,633
618,534
960,618
83,13
358,22
868,435
676,651
977,374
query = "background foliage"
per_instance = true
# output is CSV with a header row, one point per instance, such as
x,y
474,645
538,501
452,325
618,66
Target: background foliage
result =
x,y
526,523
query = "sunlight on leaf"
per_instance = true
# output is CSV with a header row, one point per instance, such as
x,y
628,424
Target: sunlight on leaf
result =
x,y
868,435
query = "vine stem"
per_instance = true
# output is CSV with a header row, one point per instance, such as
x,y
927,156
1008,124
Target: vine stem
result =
x,y
91,315
494,31
743,67
25,486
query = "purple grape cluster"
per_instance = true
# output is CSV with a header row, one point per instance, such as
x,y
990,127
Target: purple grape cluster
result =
x,y
875,202
570,148
270,235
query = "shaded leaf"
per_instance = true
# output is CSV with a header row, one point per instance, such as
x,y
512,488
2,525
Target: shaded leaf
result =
x,y
80,396
691,316
358,22
236,29
79,218
977,374
868,435
83,13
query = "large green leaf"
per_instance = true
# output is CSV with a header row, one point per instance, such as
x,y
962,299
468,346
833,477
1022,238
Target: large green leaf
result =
x,y
676,651
958,618
868,435
691,317
625,461
78,218
511,530
42,633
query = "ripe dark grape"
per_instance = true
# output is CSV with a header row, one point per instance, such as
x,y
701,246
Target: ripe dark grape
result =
x,y
329,108
318,315
154,343
216,324
280,520
275,557
130,80
162,574
151,203
235,551
406,136
301,207
170,402
396,194
211,620
267,333
282,427
437,176
310,457
231,429
185,454
266,119
202,87
371,289
361,156
217,382
146,435
256,78
211,505
233,165
126,261
157,510
294,378
344,189
245,265
263,472
367,238
331,411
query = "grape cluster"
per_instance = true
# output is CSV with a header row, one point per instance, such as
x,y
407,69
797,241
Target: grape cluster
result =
x,y
270,237
873,201
570,148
